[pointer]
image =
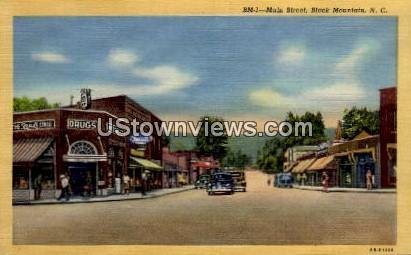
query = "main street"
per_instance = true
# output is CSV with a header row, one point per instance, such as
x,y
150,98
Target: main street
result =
x,y
262,215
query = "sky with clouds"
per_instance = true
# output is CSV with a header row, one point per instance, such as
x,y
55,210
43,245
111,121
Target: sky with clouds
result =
x,y
241,68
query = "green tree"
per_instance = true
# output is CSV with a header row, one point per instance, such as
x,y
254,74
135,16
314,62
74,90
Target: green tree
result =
x,y
236,159
271,157
207,143
356,120
21,104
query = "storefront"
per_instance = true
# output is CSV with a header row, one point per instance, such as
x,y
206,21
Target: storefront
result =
x,y
322,165
354,158
33,165
66,141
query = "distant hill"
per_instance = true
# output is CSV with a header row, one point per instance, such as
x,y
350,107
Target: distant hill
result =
x,y
248,145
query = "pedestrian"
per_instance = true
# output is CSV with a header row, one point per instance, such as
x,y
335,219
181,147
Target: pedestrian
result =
x,y
368,177
143,182
65,188
303,179
37,186
87,185
324,182
126,182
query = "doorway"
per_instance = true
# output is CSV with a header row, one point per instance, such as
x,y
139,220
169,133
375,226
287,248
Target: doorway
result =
x,y
81,175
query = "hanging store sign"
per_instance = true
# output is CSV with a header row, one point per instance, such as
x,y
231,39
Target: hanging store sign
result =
x,y
81,124
85,99
140,139
33,125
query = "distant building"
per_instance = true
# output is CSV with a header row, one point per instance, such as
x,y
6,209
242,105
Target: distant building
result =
x,y
293,154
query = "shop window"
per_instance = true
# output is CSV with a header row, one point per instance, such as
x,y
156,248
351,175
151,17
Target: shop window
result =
x,y
47,176
20,179
83,147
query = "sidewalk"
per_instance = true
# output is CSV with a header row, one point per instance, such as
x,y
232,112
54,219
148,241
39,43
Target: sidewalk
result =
x,y
337,189
119,197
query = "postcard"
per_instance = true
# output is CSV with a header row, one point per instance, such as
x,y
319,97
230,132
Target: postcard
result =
x,y
151,127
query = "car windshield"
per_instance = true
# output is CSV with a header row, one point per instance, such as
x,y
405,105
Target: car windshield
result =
x,y
222,177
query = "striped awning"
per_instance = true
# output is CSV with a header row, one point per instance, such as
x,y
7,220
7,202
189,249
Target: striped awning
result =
x,y
323,164
28,150
303,165
146,164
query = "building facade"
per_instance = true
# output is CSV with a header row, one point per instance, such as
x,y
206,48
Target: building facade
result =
x,y
50,143
388,136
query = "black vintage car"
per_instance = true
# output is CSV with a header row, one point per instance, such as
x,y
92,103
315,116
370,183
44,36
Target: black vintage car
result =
x,y
221,182
239,180
202,181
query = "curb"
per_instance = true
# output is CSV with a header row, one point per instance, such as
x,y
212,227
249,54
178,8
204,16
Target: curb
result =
x,y
101,201
376,191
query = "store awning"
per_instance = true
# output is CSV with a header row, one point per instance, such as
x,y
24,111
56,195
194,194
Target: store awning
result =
x,y
303,165
202,164
146,164
323,163
28,150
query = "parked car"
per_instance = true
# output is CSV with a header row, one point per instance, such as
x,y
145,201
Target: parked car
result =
x,y
283,180
221,182
239,180
202,181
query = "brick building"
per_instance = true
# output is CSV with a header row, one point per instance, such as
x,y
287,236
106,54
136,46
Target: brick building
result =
x,y
66,141
388,136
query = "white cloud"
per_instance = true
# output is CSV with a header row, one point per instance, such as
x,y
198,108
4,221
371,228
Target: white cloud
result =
x,y
291,55
157,80
267,97
50,57
165,79
349,64
122,58
344,87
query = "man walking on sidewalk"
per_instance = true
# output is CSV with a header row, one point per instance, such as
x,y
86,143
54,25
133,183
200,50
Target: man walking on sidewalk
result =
x,y
65,188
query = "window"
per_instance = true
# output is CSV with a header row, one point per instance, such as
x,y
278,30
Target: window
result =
x,y
83,147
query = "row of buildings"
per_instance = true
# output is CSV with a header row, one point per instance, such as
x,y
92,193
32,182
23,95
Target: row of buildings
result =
x,y
347,162
65,140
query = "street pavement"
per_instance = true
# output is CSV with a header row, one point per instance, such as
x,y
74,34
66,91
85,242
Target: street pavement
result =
x,y
262,215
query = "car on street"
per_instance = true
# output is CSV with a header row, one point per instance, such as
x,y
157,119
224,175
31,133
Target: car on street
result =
x,y
221,182
283,180
202,181
239,180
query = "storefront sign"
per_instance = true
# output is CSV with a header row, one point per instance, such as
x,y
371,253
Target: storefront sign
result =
x,y
141,140
33,125
81,124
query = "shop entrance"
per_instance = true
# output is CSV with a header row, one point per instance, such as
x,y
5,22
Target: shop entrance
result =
x,y
82,177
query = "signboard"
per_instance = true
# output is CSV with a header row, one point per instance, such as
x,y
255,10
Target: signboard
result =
x,y
33,125
140,139
85,98
81,124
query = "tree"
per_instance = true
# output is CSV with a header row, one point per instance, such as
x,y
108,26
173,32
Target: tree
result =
x,y
356,120
209,144
236,159
21,104
318,135
271,157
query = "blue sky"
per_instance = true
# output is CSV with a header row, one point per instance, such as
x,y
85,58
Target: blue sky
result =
x,y
241,68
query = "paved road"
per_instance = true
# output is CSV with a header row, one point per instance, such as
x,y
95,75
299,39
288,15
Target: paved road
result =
x,y
262,215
